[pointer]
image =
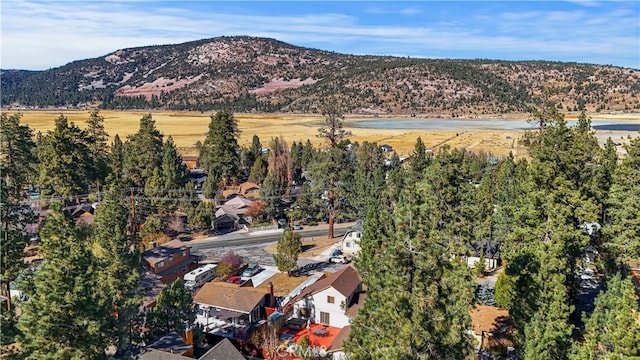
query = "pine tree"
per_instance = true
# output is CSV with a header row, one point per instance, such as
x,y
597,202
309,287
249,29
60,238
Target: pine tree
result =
x,y
116,160
66,166
143,152
220,152
115,256
334,134
97,144
622,230
612,331
17,161
289,247
271,193
64,316
174,310
419,297
419,159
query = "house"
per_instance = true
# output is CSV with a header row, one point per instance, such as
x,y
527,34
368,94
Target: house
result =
x,y
492,329
229,310
190,161
226,223
488,249
328,300
170,261
350,243
175,344
238,205
247,189
224,350
386,148
197,177
149,285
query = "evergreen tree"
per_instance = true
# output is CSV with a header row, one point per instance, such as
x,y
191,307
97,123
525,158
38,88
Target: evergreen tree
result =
x,y
419,297
64,316
419,159
623,227
143,152
97,143
250,155
173,172
612,331
173,311
211,185
17,160
289,247
220,152
66,166
367,180
116,159
259,170
271,193
115,256
334,134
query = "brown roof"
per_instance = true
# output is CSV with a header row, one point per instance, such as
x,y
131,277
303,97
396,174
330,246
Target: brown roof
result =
x,y
489,318
356,303
241,190
164,251
235,298
283,284
346,281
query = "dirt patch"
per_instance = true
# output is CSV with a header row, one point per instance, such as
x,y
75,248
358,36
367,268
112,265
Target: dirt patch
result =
x,y
311,246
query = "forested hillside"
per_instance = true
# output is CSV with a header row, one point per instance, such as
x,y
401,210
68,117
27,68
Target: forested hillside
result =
x,y
264,75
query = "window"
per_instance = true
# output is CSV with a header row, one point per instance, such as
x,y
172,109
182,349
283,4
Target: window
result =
x,y
171,260
184,253
160,264
324,318
348,244
331,300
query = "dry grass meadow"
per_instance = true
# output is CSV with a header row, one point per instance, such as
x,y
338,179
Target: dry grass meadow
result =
x,y
187,128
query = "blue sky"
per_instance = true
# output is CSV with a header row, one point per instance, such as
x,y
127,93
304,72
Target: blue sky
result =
x,y
38,35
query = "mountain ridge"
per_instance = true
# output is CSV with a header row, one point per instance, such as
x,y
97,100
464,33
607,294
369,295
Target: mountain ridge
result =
x,y
252,74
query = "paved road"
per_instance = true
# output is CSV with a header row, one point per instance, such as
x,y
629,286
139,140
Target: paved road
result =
x,y
241,238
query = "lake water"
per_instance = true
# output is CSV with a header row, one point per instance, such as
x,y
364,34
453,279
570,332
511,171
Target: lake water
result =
x,y
480,124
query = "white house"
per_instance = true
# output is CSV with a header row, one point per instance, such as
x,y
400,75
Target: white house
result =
x,y
488,249
331,301
350,244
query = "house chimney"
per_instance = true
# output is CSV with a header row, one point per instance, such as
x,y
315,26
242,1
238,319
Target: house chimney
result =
x,y
188,335
272,298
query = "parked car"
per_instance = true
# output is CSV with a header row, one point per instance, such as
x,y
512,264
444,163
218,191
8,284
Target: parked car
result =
x,y
251,270
339,259
297,226
234,280
335,252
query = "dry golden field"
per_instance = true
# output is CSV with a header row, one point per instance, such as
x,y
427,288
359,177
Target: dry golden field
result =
x,y
188,127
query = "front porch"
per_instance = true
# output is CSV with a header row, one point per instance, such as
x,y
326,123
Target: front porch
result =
x,y
226,323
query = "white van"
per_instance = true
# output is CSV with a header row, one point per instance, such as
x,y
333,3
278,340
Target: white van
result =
x,y
200,276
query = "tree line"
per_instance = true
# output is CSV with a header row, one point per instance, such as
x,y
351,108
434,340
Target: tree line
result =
x,y
421,218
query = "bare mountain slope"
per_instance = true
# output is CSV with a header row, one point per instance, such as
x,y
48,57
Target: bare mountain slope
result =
x,y
257,74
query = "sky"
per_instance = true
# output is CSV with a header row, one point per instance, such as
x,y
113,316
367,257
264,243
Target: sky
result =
x,y
37,35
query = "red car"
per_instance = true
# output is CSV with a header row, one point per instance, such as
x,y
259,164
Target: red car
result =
x,y
234,280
